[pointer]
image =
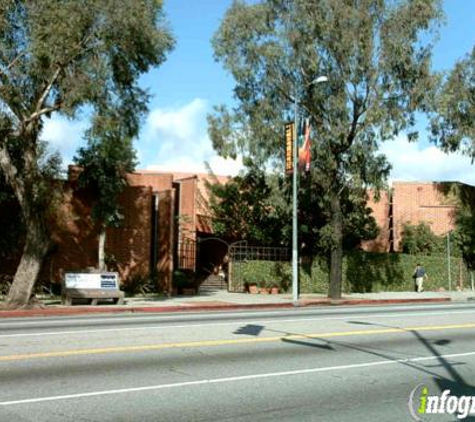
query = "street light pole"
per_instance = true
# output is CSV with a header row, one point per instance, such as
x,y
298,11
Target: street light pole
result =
x,y
295,257
295,254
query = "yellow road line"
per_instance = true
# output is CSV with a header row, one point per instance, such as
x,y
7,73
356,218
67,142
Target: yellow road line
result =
x,y
213,343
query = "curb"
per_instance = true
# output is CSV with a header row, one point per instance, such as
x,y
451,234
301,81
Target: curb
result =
x,y
85,310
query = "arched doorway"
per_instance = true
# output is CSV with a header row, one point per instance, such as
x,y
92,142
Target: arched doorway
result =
x,y
212,262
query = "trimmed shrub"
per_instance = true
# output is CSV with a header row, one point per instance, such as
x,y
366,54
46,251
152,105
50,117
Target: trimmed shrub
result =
x,y
363,272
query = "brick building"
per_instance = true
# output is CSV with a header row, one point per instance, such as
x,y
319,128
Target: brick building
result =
x,y
167,226
164,219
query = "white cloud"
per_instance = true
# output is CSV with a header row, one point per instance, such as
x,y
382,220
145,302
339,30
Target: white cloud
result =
x,y
176,139
63,135
173,139
180,123
219,166
225,167
411,162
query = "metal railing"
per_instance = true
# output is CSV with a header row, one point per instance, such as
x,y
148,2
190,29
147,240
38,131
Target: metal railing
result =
x,y
239,255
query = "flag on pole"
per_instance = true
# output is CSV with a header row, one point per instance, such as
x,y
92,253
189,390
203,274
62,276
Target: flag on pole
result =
x,y
304,149
289,147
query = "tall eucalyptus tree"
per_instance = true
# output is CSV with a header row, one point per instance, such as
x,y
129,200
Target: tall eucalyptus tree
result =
x,y
57,56
379,75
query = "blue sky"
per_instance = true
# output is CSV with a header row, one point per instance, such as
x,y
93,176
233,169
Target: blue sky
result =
x,y
174,135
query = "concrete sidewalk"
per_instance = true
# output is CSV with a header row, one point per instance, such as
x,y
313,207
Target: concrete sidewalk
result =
x,y
223,300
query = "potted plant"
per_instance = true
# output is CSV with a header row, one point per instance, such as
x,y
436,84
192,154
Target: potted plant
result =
x,y
274,290
263,289
250,284
252,288
184,283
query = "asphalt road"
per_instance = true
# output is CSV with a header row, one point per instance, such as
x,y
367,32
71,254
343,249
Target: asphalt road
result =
x,y
331,364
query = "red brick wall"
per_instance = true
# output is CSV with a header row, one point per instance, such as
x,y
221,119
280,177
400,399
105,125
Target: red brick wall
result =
x,y
157,181
381,215
76,237
186,233
130,243
187,208
413,202
165,239
421,202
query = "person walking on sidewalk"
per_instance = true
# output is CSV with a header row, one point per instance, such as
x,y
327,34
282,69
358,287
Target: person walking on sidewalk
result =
x,y
419,275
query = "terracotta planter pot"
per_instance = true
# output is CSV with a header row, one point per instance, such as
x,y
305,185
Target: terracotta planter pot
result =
x,y
274,290
253,289
264,291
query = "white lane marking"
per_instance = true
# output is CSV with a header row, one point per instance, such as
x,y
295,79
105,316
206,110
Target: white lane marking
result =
x,y
227,324
234,379
132,317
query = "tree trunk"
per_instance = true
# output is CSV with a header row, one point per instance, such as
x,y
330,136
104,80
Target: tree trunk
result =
x,y
336,255
25,187
34,252
101,250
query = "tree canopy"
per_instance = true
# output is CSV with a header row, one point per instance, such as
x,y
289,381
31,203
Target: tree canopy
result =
x,y
378,70
105,161
246,208
453,121
419,239
453,129
464,233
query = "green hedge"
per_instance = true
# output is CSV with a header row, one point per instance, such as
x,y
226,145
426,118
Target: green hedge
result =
x,y
363,272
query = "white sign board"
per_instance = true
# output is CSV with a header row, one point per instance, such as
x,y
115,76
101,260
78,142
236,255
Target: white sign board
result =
x,y
91,281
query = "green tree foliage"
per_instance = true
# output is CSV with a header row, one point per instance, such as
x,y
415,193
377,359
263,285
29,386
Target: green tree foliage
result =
x,y
453,122
58,56
254,206
464,236
10,214
453,129
420,240
378,73
10,241
244,209
316,234
105,162
464,233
